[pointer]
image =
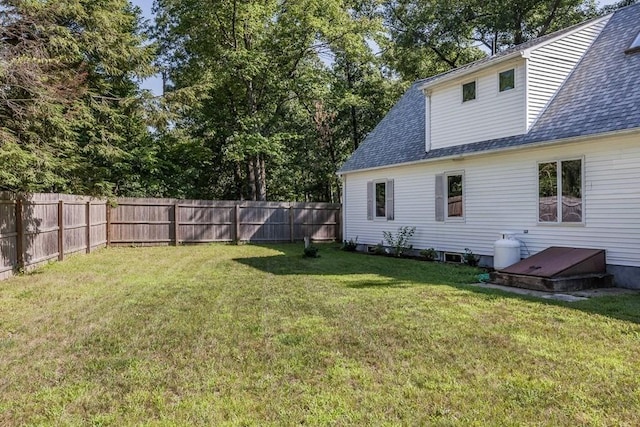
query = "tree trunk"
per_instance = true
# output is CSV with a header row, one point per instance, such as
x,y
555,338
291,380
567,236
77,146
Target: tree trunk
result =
x,y
352,112
251,174
261,181
237,176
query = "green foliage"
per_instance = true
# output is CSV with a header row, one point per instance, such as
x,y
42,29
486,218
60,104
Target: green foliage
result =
x,y
399,242
71,117
350,246
248,83
431,37
311,251
429,254
470,258
380,249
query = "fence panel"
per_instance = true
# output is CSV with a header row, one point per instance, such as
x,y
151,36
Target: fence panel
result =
x,y
43,227
153,221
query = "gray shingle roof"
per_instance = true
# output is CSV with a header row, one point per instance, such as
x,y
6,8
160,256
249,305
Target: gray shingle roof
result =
x,y
601,95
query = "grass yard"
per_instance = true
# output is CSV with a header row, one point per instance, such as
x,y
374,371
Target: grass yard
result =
x,y
258,335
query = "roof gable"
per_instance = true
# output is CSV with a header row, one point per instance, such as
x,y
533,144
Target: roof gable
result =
x,y
602,95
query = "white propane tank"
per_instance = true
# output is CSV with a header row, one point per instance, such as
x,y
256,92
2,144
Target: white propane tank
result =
x,y
506,251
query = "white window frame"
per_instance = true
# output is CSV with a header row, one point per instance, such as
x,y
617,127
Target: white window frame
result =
x,y
515,78
475,91
559,222
375,200
446,197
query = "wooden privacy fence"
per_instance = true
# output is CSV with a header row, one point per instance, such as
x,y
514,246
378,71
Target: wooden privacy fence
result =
x,y
170,221
45,227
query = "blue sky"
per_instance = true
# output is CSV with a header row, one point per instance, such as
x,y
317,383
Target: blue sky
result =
x,y
155,83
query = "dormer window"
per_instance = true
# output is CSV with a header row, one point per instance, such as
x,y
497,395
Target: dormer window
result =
x,y
635,46
469,91
507,80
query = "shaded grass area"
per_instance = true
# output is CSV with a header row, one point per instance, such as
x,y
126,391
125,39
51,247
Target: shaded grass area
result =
x,y
252,335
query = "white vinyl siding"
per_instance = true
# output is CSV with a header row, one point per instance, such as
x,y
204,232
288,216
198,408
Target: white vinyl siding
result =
x,y
500,192
492,114
550,65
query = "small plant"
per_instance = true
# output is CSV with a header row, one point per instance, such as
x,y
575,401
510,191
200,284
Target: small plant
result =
x,y
311,251
470,258
380,249
399,242
350,245
429,254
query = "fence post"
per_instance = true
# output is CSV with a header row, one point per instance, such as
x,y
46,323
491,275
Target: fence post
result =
x,y
107,206
88,216
236,222
61,230
176,223
19,235
291,225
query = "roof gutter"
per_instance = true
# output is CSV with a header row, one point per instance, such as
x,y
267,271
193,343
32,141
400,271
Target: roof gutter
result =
x,y
569,140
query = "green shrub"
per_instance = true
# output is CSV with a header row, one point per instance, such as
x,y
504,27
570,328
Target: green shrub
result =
x,y
399,242
470,258
380,249
350,245
429,254
311,252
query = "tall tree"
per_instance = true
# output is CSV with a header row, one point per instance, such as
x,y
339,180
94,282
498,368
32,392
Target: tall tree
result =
x,y
432,36
69,107
244,59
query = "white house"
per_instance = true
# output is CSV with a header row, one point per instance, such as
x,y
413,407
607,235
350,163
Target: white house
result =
x,y
542,139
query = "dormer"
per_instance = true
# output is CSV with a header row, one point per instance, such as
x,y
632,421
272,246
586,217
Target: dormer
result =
x,y
503,96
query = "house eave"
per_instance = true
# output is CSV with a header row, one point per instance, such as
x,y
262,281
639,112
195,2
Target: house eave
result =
x,y
573,139
455,74
524,53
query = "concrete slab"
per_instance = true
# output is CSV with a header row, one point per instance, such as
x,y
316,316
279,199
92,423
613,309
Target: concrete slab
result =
x,y
565,296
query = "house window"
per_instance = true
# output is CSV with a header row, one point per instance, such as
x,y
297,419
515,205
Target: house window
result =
x,y
455,196
635,45
469,91
560,191
381,200
507,80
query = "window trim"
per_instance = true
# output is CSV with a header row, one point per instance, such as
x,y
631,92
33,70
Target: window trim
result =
x,y
448,218
514,79
475,91
561,223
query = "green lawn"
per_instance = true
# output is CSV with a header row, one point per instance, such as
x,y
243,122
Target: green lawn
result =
x,y
258,335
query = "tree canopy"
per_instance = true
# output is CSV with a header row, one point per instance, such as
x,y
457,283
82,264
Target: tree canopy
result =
x,y
263,99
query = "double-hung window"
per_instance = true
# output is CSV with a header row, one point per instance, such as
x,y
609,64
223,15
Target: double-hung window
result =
x,y
449,193
560,189
455,203
380,200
